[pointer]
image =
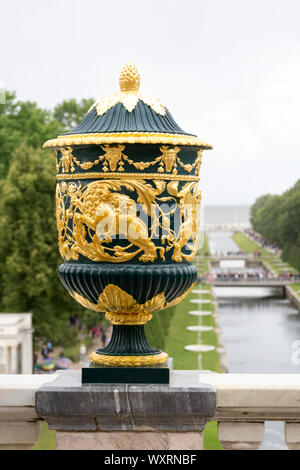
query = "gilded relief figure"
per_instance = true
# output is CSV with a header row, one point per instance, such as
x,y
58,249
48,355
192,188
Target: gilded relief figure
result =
x,y
66,160
113,155
91,217
189,203
168,158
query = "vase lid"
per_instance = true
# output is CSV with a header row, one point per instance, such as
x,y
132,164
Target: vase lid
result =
x,y
127,116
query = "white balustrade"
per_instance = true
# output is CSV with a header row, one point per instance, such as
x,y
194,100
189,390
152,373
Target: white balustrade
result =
x,y
244,403
19,423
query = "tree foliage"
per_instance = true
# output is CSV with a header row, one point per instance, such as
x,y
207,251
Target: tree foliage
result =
x,y
157,329
28,239
23,122
277,218
260,202
70,112
28,244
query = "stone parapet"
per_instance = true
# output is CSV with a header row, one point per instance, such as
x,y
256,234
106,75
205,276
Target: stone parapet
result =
x,y
19,422
121,416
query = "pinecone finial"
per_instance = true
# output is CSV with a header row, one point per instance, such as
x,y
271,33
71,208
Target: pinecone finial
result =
x,y
129,78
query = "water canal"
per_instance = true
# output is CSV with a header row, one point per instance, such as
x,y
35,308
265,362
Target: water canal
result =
x,y
259,329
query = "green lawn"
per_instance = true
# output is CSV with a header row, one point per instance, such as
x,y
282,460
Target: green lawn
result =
x,y
249,246
179,336
211,441
46,440
296,287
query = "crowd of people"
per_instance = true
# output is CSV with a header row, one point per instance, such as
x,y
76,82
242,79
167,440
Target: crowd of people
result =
x,y
236,254
224,254
261,241
99,332
251,276
49,360
49,363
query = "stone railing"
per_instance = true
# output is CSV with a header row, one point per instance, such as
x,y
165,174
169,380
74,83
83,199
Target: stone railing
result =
x,y
151,417
246,401
19,422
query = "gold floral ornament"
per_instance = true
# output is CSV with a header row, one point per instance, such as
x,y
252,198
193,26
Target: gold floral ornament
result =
x,y
121,308
189,202
129,361
129,94
126,138
169,160
114,158
68,161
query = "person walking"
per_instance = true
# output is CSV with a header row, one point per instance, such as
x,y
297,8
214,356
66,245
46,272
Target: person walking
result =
x,y
45,352
103,338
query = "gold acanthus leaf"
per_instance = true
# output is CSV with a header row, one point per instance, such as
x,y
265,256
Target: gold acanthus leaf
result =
x,y
129,100
114,299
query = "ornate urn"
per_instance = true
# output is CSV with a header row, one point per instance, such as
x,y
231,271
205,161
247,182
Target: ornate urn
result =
x,y
128,215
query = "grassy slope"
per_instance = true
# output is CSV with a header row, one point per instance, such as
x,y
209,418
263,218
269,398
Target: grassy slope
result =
x,y
179,336
296,287
245,244
249,246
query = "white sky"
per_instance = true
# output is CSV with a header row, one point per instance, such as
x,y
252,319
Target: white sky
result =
x,y
228,70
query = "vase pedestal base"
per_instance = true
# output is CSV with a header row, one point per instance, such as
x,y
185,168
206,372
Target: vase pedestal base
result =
x,y
155,374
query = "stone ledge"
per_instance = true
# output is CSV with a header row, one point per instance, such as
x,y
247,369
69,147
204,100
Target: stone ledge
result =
x,y
19,422
183,405
19,389
256,397
130,440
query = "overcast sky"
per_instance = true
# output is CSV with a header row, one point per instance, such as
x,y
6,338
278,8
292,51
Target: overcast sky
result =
x,y
228,71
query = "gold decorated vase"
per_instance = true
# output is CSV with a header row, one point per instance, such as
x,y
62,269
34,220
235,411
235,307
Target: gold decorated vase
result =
x,y
128,204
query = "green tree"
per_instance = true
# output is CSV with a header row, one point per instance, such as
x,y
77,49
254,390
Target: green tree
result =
x,y
28,239
289,220
23,122
289,226
70,113
267,219
28,245
260,202
277,218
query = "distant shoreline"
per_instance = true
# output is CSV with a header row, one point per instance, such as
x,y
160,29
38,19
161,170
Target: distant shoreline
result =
x,y
226,214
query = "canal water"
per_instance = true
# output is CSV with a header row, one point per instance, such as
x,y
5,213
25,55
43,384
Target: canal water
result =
x,y
260,331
